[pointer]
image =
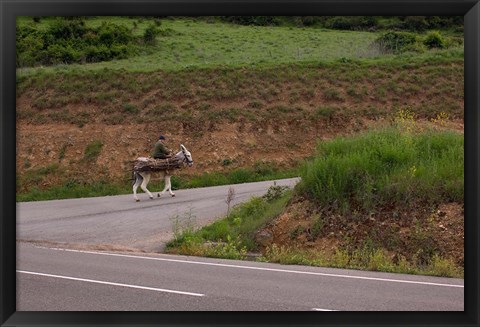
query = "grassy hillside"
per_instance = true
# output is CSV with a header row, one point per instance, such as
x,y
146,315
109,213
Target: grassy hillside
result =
x,y
190,43
226,90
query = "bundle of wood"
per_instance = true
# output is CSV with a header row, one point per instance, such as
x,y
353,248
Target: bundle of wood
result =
x,y
150,164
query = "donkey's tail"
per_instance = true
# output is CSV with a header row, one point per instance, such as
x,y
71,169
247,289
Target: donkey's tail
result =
x,y
136,176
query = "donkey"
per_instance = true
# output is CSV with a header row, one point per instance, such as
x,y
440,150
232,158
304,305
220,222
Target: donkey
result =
x,y
142,178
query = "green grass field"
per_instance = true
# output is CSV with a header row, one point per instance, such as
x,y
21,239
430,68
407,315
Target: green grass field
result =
x,y
190,44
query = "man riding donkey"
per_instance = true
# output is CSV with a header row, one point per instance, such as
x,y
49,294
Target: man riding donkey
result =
x,y
163,161
160,151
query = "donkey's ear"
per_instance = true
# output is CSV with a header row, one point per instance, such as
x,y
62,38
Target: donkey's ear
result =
x,y
182,147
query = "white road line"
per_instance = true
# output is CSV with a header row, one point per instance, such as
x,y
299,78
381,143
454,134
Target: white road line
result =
x,y
109,283
317,309
260,268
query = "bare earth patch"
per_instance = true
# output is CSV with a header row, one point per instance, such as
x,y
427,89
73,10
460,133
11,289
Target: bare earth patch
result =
x,y
409,234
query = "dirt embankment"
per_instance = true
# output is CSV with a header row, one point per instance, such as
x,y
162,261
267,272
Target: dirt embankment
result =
x,y
226,118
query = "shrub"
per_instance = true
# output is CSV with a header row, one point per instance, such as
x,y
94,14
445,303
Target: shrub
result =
x,y
71,41
396,42
415,23
275,192
130,108
150,34
434,40
252,20
67,29
351,22
92,151
109,34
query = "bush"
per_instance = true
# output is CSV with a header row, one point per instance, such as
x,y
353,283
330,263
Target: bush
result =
x,y
415,23
71,41
434,40
109,34
92,151
396,42
67,29
352,22
253,20
150,34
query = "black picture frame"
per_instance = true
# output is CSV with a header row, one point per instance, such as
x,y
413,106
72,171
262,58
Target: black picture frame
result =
x,y
10,9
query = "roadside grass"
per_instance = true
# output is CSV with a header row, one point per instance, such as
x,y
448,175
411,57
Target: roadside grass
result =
x,y
361,259
236,176
233,236
71,190
392,166
31,185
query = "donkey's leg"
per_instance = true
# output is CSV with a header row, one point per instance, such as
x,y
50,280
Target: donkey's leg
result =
x,y
146,179
165,188
136,184
165,182
169,183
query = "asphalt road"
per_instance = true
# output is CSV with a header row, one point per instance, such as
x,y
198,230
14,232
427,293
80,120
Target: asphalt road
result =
x,y
120,223
72,280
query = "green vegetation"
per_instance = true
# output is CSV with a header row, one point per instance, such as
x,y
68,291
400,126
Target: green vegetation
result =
x,y
92,151
354,23
258,173
343,88
189,43
233,236
400,42
71,189
29,185
362,259
387,167
69,40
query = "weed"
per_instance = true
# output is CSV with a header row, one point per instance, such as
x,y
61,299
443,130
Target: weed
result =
x,y
63,149
317,226
297,231
434,40
183,226
441,118
92,151
237,230
405,119
130,108
333,95
373,259
325,113
275,192
230,197
444,267
386,166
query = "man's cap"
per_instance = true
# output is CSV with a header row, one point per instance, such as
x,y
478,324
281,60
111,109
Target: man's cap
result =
x,y
161,137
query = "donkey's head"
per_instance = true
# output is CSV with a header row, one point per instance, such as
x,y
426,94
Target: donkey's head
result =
x,y
187,155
